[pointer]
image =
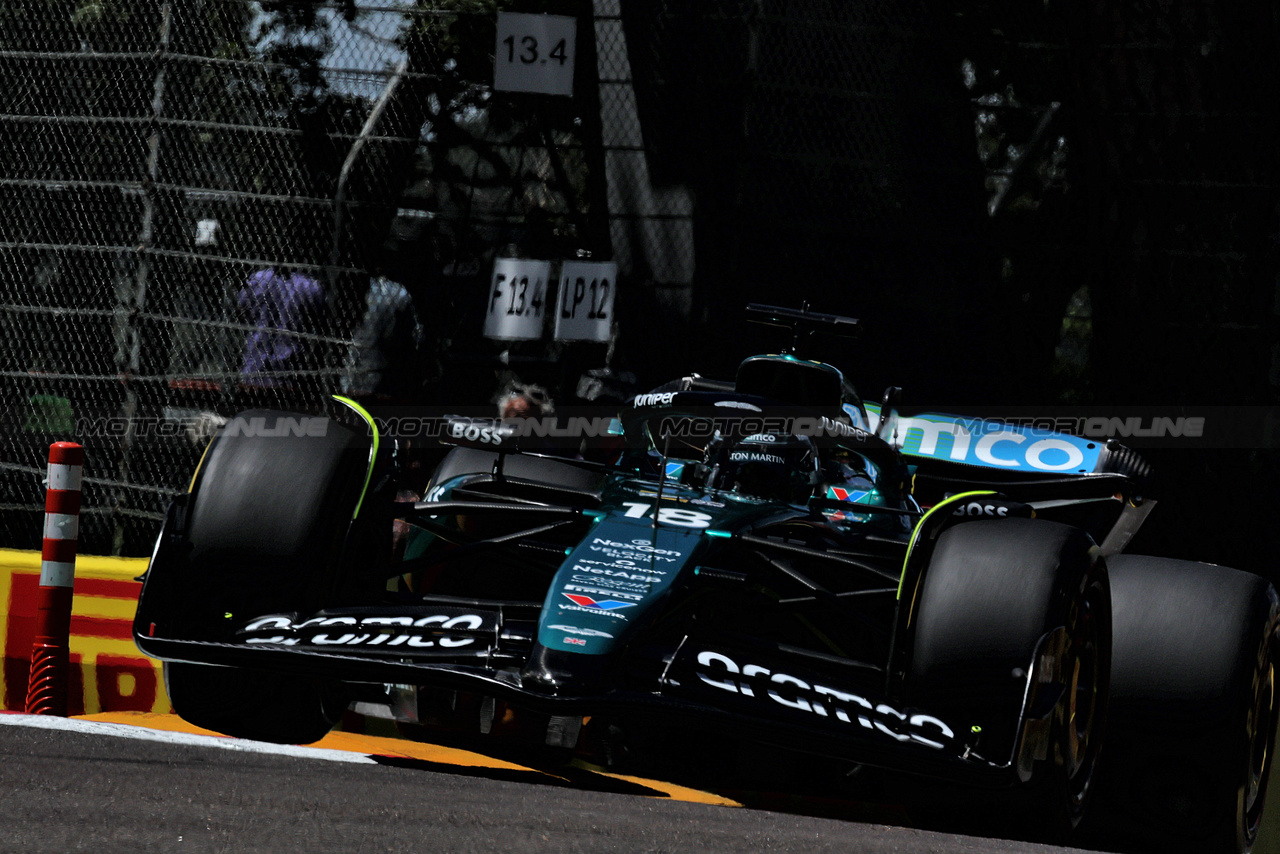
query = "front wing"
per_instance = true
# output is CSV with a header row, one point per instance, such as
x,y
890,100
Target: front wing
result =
x,y
761,692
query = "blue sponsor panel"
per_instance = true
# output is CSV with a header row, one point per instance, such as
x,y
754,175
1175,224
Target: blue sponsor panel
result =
x,y
992,444
873,414
855,415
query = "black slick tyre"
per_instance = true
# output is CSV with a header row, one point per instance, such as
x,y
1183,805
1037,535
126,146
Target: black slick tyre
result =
x,y
1194,708
1005,604
269,518
282,708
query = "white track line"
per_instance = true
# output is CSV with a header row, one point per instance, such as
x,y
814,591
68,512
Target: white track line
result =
x,y
182,738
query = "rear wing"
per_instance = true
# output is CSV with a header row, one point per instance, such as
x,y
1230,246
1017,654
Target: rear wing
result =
x,y
989,444
1101,486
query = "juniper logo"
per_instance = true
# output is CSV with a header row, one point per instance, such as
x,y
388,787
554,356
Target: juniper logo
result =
x,y
656,399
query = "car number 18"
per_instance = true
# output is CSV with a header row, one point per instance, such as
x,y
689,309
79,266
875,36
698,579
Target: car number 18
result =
x,y
668,515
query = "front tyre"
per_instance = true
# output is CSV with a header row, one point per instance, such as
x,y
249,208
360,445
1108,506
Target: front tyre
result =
x,y
1194,708
1013,612
268,531
278,707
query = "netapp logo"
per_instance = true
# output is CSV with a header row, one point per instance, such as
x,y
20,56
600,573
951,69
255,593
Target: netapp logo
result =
x,y
719,671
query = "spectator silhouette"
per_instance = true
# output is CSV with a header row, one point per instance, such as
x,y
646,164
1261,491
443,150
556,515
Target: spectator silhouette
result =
x,y
283,305
386,361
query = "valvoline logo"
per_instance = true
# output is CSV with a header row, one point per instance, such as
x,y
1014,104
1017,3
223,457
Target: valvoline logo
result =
x,y
602,604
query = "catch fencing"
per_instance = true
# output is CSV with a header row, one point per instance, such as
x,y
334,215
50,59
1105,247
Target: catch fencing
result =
x,y
1091,186
166,164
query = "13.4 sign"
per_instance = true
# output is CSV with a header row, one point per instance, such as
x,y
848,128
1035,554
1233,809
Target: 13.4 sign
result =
x,y
534,53
517,296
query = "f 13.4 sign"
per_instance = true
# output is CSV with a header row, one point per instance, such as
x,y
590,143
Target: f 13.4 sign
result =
x,y
517,296
534,53
584,307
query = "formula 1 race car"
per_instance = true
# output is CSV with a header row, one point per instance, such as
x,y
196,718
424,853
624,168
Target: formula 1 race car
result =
x,y
768,560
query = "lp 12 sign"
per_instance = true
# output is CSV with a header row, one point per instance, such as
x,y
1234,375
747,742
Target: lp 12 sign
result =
x,y
584,308
517,295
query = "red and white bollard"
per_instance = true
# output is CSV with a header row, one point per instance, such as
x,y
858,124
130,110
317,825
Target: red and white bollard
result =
x,y
47,687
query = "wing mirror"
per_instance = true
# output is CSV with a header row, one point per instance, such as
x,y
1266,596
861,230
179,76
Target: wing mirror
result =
x,y
888,423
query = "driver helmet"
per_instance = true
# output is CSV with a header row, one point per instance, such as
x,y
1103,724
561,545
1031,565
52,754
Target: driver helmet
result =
x,y
773,466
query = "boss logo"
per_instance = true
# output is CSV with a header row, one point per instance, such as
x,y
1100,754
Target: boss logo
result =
x,y
476,433
975,508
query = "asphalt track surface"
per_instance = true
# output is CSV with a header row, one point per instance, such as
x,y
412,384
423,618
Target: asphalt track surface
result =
x,y
98,788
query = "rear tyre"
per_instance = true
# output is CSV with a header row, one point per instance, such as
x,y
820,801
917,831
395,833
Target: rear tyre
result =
x,y
1000,599
1194,708
269,518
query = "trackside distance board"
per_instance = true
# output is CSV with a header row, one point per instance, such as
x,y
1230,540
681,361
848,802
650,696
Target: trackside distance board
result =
x,y
584,306
534,53
518,295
